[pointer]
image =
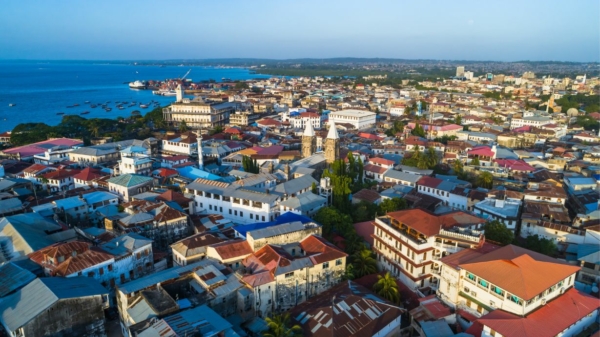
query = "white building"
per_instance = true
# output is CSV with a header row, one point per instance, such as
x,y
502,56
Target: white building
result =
x,y
536,121
409,243
512,287
358,118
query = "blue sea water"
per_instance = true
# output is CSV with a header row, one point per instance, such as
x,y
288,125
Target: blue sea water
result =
x,y
41,89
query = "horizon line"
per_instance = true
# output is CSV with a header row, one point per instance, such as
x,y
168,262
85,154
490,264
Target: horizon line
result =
x,y
289,59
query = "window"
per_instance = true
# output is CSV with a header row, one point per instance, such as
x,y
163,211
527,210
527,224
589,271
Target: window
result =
x,y
338,262
483,283
288,275
229,211
471,277
497,291
325,265
101,271
110,267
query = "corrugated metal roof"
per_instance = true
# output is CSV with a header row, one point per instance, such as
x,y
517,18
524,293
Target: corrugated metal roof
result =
x,y
13,277
277,230
161,276
18,309
129,180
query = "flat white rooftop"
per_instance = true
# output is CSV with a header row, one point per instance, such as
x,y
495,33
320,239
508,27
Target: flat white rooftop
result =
x,y
352,113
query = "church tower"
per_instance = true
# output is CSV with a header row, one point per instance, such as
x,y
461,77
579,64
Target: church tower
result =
x,y
332,144
309,141
179,94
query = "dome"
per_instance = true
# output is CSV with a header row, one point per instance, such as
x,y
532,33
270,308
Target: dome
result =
x,y
572,112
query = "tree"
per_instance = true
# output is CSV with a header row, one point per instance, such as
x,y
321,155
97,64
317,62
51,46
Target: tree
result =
x,y
216,130
363,211
391,205
341,182
432,158
475,161
313,188
540,245
458,167
498,232
333,220
418,131
250,165
349,272
485,179
241,85
387,288
183,126
364,263
279,326
458,120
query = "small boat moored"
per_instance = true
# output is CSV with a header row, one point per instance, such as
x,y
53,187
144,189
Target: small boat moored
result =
x,y
11,104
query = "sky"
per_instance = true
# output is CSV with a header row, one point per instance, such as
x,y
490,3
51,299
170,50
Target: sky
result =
x,y
507,30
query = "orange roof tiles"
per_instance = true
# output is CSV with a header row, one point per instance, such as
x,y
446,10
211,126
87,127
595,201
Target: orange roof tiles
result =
x,y
429,224
519,271
232,249
549,320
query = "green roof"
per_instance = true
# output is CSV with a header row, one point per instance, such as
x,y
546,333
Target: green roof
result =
x,y
129,180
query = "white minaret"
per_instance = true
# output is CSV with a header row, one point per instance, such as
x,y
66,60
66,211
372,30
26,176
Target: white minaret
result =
x,y
179,92
200,153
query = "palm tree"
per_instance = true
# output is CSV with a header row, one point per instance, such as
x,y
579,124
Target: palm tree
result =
x,y
432,157
44,182
279,327
387,288
94,130
364,263
485,179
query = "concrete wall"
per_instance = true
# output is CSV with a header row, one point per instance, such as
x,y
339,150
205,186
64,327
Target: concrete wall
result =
x,y
70,317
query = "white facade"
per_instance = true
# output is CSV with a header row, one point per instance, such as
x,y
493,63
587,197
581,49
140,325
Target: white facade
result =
x,y
358,118
530,121
53,156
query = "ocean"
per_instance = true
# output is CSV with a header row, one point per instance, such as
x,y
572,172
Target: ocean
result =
x,y
40,89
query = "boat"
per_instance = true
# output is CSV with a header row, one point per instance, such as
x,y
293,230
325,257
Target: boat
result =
x,y
137,85
143,106
87,102
93,106
108,109
120,107
85,113
75,104
60,113
12,104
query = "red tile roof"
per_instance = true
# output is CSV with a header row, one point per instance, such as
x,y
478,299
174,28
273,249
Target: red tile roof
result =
x,y
381,161
77,256
88,174
429,182
530,273
366,195
375,169
429,224
549,320
35,168
320,250
233,249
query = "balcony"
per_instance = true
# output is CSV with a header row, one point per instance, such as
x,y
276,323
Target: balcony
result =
x,y
462,234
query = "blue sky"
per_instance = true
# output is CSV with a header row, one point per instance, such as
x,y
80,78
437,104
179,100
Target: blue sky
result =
x,y
453,30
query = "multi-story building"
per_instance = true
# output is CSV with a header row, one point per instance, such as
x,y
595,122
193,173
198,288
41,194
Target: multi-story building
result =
x,y
127,185
120,260
54,155
409,243
300,119
155,220
283,276
135,160
358,118
180,144
59,180
502,207
234,201
536,121
192,248
511,278
199,114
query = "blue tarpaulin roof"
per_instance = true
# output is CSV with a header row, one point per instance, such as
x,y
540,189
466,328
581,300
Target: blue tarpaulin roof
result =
x,y
284,218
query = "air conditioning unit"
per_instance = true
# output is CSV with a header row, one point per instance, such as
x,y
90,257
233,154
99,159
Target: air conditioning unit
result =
x,y
473,293
543,301
562,290
492,303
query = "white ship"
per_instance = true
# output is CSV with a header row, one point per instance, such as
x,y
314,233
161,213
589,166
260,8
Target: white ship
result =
x,y
137,85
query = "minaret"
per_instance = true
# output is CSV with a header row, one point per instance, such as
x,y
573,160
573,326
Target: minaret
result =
x,y
179,92
309,141
332,144
200,153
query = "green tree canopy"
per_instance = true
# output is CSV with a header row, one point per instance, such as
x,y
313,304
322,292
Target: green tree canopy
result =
x,y
279,326
387,288
418,131
364,263
391,205
485,179
498,232
540,245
